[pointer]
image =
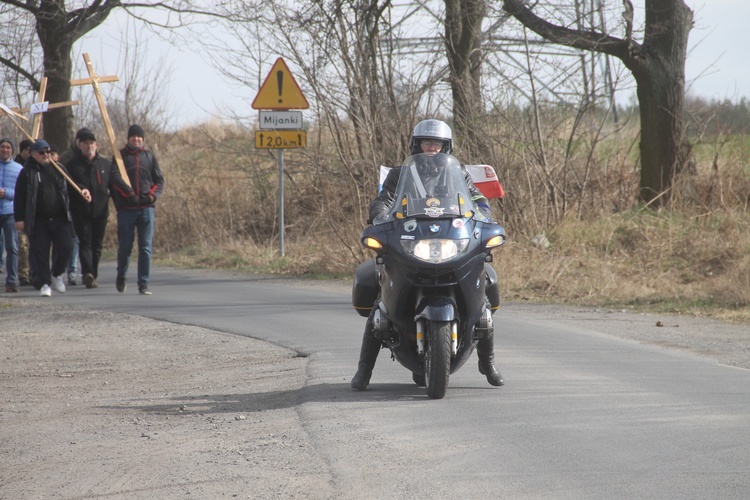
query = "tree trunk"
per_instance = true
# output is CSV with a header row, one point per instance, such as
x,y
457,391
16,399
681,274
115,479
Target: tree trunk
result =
x,y
660,79
463,23
658,66
57,45
58,123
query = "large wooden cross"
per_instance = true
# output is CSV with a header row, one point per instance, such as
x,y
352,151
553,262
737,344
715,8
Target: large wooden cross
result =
x,y
94,81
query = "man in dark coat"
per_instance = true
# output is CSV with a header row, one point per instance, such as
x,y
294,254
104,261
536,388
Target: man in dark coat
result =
x,y
42,210
90,171
136,213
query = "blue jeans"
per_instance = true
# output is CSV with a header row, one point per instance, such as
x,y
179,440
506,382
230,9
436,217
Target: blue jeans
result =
x,y
73,262
128,222
10,241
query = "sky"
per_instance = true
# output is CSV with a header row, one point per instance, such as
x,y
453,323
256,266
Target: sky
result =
x,y
717,65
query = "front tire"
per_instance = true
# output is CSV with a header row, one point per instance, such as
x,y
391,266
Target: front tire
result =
x,y
437,358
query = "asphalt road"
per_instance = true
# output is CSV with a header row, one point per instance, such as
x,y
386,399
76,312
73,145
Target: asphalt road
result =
x,y
583,414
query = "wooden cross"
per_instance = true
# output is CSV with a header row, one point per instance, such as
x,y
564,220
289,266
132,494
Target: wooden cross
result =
x,y
12,114
9,113
95,80
42,106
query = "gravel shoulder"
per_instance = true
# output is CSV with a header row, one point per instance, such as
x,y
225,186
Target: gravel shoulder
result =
x,y
101,404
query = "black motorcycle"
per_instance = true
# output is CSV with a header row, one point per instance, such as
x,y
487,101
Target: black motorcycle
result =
x,y
429,293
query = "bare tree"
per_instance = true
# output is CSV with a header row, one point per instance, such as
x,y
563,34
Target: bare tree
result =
x,y
463,43
658,67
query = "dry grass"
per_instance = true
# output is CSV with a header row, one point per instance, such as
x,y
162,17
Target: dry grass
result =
x,y
220,211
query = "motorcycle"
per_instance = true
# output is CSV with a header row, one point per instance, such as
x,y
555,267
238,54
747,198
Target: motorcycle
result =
x,y
430,292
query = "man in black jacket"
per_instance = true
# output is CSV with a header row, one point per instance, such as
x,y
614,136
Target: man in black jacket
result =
x,y
136,213
42,210
90,171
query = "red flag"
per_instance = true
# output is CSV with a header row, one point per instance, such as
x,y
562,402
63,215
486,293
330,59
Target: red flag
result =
x,y
485,179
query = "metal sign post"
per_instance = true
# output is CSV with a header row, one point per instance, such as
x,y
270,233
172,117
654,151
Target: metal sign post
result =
x,y
281,202
280,128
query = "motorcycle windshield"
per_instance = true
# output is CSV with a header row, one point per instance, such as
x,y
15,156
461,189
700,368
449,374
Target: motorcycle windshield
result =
x,y
430,187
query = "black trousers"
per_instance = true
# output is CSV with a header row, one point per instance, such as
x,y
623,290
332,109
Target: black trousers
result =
x,y
90,232
54,235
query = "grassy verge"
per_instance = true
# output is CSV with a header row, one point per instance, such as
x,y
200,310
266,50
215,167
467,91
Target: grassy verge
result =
x,y
644,260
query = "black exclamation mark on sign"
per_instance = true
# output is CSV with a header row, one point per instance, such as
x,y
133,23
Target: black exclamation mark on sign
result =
x,y
280,82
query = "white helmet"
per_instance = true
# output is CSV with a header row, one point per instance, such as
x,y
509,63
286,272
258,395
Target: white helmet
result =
x,y
431,129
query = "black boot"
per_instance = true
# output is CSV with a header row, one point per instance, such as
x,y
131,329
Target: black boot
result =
x,y
368,354
486,355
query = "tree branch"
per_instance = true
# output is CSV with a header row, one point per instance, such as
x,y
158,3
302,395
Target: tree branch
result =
x,y
81,21
18,69
585,40
27,6
170,8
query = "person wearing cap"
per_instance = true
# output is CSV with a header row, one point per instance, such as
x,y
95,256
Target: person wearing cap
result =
x,y
42,210
90,171
136,213
9,171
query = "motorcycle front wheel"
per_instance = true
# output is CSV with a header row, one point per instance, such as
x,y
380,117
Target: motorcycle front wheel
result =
x,y
437,358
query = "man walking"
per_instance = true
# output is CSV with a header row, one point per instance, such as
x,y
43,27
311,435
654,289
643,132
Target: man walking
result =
x,y
136,213
42,210
9,171
90,171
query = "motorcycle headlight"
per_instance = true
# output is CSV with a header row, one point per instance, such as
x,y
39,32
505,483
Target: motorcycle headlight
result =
x,y
435,251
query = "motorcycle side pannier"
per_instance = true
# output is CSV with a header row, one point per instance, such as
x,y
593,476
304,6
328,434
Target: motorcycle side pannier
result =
x,y
366,287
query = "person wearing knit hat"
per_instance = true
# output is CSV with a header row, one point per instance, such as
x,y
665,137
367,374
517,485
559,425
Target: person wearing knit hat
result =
x,y
136,131
24,148
54,152
135,213
10,142
9,171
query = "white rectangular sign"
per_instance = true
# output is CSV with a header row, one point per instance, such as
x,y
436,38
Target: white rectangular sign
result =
x,y
280,120
39,107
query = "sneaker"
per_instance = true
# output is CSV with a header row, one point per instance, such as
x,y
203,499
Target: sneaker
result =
x,y
72,279
89,281
11,289
121,284
57,284
46,291
24,282
143,290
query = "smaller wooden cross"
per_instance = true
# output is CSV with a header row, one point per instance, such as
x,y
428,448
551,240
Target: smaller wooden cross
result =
x,y
42,106
12,113
95,80
9,113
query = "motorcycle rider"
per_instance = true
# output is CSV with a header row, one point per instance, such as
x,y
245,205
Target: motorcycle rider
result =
x,y
429,137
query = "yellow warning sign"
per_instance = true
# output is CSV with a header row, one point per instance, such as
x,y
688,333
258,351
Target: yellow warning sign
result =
x,y
280,90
